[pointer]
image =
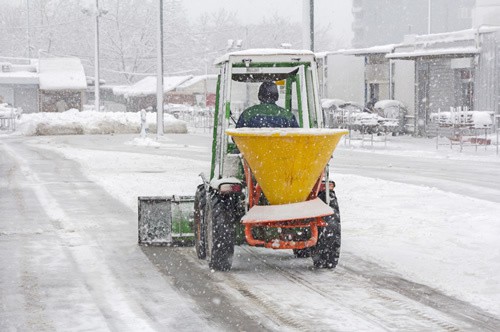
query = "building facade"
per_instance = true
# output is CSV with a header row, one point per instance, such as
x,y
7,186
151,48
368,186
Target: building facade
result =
x,y
43,85
380,22
456,69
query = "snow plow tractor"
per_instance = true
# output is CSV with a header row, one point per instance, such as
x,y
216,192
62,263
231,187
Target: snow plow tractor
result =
x,y
268,187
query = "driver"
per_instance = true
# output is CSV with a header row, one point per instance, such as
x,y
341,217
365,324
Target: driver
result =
x,y
267,113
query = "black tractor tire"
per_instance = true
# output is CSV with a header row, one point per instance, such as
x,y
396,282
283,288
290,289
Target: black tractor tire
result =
x,y
220,222
302,253
326,253
199,226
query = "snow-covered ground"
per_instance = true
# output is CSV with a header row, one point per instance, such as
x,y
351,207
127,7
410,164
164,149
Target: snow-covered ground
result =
x,y
442,239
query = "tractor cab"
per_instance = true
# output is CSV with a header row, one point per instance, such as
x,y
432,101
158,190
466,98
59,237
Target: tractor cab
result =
x,y
241,74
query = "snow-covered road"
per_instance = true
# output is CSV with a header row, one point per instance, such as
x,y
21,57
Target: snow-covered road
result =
x,y
69,256
420,253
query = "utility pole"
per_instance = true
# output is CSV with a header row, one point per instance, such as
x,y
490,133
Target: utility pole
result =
x,y
311,24
97,91
308,24
28,34
159,72
429,17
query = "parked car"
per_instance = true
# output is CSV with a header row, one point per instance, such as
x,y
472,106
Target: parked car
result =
x,y
350,115
394,112
331,114
358,117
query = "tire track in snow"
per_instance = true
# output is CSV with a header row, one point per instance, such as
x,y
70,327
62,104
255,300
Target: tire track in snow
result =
x,y
271,310
428,296
449,315
353,318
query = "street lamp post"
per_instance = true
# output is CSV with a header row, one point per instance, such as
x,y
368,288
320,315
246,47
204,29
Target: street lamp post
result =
x,y
96,13
96,59
28,34
429,17
159,72
308,24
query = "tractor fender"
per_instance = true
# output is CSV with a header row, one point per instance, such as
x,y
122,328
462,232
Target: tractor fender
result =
x,y
228,185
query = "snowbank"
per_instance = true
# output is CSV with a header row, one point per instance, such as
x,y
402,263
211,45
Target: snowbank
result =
x,y
74,122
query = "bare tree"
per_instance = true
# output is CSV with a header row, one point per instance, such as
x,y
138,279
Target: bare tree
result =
x,y
60,28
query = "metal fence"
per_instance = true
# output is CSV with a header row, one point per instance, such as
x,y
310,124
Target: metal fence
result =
x,y
8,117
464,128
201,119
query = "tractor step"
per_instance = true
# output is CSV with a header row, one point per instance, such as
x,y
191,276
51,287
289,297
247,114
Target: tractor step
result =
x,y
166,220
273,213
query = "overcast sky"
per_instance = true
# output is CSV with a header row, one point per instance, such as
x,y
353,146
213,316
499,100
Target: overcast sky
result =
x,y
334,12
337,13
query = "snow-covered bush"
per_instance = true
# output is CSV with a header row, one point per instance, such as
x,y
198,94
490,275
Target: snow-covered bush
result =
x,y
74,122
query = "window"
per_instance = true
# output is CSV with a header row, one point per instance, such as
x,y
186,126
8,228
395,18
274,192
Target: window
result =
x,y
374,92
466,79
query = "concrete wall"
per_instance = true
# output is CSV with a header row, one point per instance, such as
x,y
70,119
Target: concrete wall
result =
x,y
60,100
346,78
379,22
24,96
442,85
488,73
404,83
486,12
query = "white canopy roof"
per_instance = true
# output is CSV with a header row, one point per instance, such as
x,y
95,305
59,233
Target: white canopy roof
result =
x,y
61,74
380,49
281,53
18,77
195,79
18,74
147,86
451,52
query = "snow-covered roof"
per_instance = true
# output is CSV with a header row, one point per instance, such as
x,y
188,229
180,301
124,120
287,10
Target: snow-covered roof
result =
x,y
455,43
196,79
18,77
17,74
451,52
450,44
61,74
454,36
324,54
265,52
147,86
381,49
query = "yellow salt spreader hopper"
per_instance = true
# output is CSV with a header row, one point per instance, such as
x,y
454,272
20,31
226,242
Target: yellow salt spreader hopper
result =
x,y
286,162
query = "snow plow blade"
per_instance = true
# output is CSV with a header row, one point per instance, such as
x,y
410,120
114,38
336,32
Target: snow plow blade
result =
x,y
166,220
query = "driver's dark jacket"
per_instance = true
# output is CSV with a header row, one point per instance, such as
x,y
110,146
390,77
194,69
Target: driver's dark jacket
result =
x,y
267,116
